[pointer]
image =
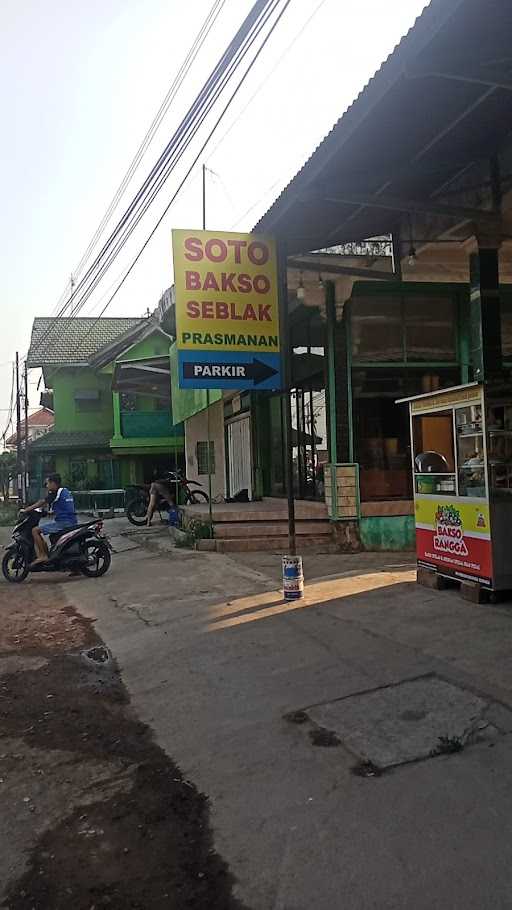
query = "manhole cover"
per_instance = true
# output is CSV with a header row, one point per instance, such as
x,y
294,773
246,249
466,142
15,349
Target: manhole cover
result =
x,y
403,722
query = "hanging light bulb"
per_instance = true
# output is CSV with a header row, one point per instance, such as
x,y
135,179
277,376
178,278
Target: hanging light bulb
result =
x,y
300,289
320,281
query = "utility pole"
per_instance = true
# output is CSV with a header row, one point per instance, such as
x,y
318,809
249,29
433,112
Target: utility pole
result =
x,y
25,465
19,463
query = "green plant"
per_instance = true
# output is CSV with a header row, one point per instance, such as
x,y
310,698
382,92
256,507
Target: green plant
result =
x,y
7,473
193,530
8,514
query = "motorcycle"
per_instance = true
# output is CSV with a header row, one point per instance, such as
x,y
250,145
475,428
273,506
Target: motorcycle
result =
x,y
137,506
83,548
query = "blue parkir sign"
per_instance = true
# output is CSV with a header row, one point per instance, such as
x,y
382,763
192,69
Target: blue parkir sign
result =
x,y
229,370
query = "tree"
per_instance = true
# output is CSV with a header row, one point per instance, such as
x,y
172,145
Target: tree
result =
x,y
7,473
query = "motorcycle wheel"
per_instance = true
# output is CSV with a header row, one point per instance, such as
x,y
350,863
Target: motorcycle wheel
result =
x,y
136,511
98,558
194,497
15,566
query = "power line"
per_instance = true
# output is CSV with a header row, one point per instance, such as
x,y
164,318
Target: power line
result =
x,y
253,206
164,107
192,166
267,77
176,84
223,71
189,127
11,403
194,118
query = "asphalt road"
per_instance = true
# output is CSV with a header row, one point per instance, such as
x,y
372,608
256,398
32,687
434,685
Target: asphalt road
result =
x,y
232,681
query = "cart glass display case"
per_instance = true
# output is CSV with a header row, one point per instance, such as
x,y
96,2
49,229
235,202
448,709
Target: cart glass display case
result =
x,y
462,468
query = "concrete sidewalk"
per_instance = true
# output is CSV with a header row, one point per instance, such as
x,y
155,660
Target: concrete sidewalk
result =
x,y
216,662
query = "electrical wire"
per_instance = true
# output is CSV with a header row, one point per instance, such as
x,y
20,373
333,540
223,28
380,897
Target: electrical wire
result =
x,y
146,202
194,118
253,206
164,107
230,60
176,84
161,113
269,8
192,166
267,77
257,10
11,403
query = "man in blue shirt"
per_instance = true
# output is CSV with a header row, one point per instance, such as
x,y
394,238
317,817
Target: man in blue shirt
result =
x,y
62,506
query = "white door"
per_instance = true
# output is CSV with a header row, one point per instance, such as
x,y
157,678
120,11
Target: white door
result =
x,y
239,455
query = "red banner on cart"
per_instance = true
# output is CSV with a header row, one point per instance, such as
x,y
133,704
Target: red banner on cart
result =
x,y
455,539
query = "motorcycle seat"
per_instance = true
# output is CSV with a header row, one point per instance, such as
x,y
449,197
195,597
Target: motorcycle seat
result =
x,y
54,536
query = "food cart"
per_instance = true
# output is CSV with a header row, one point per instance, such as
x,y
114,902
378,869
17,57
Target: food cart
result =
x,y
461,443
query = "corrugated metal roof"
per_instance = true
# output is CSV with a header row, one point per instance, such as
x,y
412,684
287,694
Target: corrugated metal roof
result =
x,y
396,118
66,340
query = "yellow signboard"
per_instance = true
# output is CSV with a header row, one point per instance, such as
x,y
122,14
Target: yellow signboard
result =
x,y
447,399
226,291
227,310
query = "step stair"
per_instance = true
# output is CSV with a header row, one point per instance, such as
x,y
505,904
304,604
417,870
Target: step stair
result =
x,y
264,526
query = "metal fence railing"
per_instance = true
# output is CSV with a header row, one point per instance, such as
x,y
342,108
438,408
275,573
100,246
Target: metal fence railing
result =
x,y
100,500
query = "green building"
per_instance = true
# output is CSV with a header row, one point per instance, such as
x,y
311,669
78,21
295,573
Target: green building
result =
x,y
108,434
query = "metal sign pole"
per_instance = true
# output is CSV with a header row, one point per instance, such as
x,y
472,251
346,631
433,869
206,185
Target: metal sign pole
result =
x,y
208,428
287,374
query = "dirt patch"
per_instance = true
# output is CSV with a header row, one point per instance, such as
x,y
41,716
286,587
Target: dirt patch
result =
x,y
36,617
124,829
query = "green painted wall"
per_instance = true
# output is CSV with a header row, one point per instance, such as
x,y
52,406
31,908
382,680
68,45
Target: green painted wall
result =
x,y
62,467
155,345
130,471
68,417
393,532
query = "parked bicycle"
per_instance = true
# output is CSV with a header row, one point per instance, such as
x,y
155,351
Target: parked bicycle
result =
x,y
191,494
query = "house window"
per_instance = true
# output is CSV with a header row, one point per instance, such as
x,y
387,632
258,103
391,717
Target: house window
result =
x,y
202,457
87,400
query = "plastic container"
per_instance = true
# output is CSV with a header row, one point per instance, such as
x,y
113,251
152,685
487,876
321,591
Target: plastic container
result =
x,y
293,578
173,518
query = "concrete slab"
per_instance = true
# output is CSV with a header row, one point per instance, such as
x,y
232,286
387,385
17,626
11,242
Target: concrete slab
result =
x,y
121,544
404,722
213,659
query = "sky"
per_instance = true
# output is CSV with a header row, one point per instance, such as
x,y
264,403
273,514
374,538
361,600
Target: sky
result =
x,y
80,84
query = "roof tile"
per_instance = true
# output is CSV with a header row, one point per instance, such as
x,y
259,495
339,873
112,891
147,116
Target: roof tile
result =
x,y
82,439
73,339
